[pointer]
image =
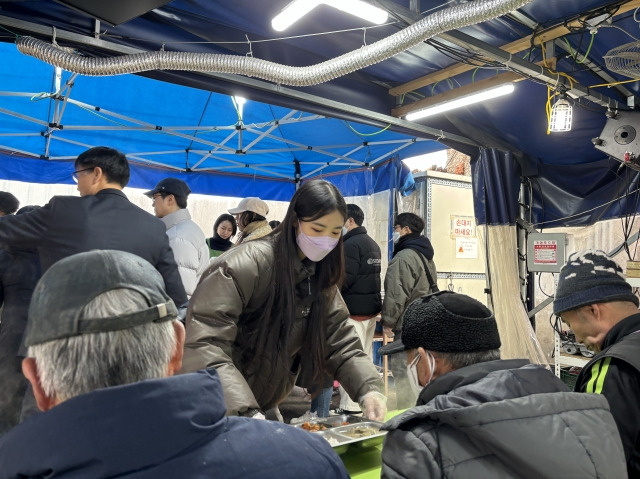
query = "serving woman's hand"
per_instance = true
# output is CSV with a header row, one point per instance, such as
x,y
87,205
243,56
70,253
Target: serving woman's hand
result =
x,y
374,405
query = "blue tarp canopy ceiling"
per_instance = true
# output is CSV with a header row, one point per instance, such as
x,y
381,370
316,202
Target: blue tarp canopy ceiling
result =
x,y
168,129
545,47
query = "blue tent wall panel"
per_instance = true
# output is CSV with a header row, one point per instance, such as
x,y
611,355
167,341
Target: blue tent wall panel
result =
x,y
606,190
567,202
390,174
496,186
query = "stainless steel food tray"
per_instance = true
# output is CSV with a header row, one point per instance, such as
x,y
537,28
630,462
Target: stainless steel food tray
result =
x,y
343,437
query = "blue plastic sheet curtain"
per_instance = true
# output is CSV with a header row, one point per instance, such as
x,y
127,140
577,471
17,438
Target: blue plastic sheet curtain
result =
x,y
496,184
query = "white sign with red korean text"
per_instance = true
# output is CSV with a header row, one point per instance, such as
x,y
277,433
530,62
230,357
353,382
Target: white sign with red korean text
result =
x,y
545,252
463,226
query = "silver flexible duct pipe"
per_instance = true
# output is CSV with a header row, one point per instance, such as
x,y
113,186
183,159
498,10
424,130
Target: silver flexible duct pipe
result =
x,y
439,22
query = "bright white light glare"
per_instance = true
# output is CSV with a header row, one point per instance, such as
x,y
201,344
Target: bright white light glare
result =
x,y
238,103
561,116
361,9
292,13
297,9
462,101
58,81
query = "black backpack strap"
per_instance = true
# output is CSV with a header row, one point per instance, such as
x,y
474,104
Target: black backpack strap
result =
x,y
433,285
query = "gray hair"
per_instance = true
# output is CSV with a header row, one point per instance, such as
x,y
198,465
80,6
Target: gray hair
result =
x,y
78,365
461,360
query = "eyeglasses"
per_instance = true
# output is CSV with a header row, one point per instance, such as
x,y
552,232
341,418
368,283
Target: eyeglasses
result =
x,y
74,175
157,195
397,227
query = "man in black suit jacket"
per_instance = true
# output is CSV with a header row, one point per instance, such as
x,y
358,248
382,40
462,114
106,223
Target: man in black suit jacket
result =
x,y
101,218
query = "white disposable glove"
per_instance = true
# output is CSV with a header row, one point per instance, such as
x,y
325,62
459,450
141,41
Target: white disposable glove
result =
x,y
253,414
388,332
374,405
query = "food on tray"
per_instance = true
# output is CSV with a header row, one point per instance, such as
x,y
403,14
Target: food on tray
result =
x,y
361,431
307,426
332,440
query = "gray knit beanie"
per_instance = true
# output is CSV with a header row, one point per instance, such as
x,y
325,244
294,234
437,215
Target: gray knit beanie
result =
x,y
590,277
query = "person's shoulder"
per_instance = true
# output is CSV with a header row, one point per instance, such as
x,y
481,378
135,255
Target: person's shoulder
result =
x,y
141,222
60,200
373,244
606,373
260,251
194,230
406,255
306,448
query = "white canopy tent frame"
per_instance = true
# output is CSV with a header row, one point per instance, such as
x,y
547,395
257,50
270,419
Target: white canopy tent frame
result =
x,y
219,150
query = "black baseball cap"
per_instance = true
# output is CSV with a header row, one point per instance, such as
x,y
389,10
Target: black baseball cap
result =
x,y
55,311
171,186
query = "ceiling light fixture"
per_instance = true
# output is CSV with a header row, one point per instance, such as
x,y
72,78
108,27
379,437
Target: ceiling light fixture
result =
x,y
238,103
561,115
293,12
462,101
297,9
360,9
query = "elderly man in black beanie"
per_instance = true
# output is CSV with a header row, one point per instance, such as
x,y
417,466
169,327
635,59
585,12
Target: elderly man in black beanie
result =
x,y
481,417
595,301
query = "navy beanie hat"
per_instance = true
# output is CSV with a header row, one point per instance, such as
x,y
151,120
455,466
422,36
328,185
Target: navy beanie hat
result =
x,y
590,277
449,322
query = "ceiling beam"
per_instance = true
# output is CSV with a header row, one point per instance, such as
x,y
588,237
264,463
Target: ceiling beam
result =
x,y
513,47
596,69
529,69
277,90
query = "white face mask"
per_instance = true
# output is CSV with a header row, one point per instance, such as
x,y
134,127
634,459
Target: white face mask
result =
x,y
395,237
412,373
344,230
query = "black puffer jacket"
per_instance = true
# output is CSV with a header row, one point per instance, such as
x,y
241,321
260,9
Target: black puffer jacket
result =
x,y
503,420
361,287
615,373
19,273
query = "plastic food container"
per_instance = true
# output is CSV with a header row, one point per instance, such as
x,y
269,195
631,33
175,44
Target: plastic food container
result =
x,y
346,432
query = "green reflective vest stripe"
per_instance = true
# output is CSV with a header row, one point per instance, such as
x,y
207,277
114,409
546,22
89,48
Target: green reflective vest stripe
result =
x,y
598,373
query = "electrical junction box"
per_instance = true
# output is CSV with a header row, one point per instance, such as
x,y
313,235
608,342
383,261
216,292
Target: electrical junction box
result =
x,y
546,252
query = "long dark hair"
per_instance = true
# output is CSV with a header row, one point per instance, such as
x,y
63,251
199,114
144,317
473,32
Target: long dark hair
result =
x,y
313,200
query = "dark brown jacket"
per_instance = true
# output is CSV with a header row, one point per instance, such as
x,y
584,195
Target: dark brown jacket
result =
x,y
221,331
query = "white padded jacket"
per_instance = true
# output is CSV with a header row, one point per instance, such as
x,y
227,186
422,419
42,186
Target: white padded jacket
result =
x,y
189,247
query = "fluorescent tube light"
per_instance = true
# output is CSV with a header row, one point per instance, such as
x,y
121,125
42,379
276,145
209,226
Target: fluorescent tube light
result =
x,y
462,101
297,9
361,9
293,12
